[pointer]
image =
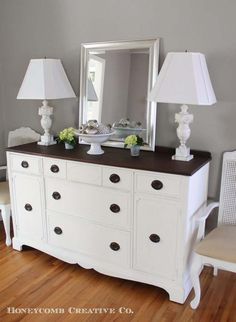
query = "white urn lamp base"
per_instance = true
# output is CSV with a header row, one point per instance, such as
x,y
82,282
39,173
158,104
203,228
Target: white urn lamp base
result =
x,y
45,112
181,155
47,140
183,118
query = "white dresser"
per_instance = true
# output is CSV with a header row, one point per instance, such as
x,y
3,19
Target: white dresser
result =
x,y
127,217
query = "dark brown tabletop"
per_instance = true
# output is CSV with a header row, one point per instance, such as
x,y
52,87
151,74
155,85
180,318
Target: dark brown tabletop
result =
x,y
159,161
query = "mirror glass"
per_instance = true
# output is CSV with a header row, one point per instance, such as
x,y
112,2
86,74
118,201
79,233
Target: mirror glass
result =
x,y
116,78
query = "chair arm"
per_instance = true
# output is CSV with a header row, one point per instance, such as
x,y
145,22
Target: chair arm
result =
x,y
208,211
3,167
202,219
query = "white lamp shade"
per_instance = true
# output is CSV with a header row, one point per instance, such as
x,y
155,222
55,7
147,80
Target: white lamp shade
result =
x,y
184,79
45,79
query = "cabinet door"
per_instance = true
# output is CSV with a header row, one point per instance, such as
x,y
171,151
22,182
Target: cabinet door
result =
x,y
156,244
28,198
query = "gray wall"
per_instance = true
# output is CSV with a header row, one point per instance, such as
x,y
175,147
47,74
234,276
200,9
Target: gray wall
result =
x,y
56,28
2,111
2,130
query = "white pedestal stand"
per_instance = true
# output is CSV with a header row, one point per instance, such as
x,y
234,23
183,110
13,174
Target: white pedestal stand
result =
x,y
95,148
46,111
95,141
182,153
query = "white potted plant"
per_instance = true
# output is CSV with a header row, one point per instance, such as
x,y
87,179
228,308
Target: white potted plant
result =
x,y
134,142
68,137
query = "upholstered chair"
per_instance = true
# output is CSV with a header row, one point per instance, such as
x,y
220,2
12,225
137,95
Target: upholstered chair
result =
x,y
218,248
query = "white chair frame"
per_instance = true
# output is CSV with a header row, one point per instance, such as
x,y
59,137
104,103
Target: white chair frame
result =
x,y
6,214
224,217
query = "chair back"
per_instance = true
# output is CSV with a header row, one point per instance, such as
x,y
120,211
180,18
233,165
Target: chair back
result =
x,y
22,135
227,208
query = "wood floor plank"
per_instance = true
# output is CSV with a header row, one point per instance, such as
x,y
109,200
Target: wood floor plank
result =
x,y
32,279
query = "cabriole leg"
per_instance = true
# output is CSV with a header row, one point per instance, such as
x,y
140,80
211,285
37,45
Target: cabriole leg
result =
x,y
6,214
195,271
215,271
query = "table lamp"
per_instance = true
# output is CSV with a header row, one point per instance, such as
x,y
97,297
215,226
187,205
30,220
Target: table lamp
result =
x,y
183,79
45,79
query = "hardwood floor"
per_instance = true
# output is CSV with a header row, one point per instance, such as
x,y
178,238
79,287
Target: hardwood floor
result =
x,y
31,279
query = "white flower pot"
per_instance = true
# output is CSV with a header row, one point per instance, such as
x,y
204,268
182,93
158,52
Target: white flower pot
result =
x,y
69,146
135,150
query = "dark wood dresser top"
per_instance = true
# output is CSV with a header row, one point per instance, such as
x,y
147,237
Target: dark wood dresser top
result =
x,y
159,161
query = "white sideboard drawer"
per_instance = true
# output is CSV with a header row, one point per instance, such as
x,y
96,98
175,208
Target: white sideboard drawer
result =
x,y
99,204
156,243
117,178
82,236
55,168
158,184
26,164
84,172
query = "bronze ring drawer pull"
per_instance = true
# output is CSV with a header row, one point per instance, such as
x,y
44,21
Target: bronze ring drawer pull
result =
x,y
54,168
58,230
56,195
154,238
114,178
114,246
28,207
115,208
24,164
157,184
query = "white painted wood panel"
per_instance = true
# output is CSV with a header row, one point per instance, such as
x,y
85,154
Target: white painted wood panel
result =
x,y
28,191
125,178
54,168
84,173
33,165
172,184
156,216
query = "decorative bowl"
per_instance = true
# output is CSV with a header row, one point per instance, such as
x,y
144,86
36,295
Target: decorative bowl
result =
x,y
95,141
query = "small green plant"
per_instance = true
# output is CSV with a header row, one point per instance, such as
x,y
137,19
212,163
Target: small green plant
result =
x,y
68,136
132,140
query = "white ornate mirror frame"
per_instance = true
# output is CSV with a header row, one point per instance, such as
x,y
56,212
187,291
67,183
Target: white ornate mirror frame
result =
x,y
152,46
